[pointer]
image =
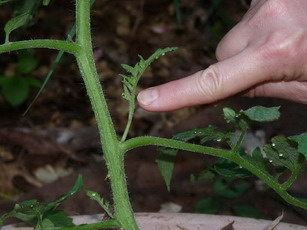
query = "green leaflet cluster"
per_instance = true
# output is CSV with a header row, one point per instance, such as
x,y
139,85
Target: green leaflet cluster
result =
x,y
24,13
282,154
45,216
130,81
15,88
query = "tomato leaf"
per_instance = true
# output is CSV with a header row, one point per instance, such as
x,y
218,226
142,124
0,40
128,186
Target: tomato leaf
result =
x,y
43,215
262,114
15,23
301,141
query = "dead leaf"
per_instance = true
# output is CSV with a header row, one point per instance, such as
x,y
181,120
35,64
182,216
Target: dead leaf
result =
x,y
273,225
229,226
9,172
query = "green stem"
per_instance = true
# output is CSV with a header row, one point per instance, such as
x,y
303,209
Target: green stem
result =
x,y
130,118
241,138
230,155
291,180
68,47
110,144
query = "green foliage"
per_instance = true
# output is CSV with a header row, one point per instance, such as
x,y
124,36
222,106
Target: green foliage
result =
x,y
24,12
5,1
26,62
262,114
209,205
246,210
254,114
15,23
222,188
57,60
301,141
104,204
130,81
135,72
229,169
282,153
43,216
15,89
167,156
46,2
224,191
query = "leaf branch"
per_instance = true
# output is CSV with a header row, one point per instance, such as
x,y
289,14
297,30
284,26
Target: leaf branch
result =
x,y
68,47
130,82
250,166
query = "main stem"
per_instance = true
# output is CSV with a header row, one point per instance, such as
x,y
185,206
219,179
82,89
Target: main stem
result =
x,y
113,154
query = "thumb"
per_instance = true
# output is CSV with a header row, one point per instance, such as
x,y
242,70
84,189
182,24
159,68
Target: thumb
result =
x,y
218,81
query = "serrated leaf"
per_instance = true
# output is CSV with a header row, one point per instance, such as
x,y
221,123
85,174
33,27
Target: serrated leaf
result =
x,y
130,82
15,23
262,114
282,153
167,156
158,53
34,212
301,141
129,69
56,218
257,160
229,169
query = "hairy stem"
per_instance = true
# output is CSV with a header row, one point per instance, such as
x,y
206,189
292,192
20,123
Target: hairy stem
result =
x,y
110,144
66,46
230,155
130,118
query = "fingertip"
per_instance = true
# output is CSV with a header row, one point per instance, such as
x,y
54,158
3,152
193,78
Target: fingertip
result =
x,y
148,96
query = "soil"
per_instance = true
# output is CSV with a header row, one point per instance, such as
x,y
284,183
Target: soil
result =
x,y
42,153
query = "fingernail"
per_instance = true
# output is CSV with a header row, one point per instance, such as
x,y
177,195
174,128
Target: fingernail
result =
x,y
148,96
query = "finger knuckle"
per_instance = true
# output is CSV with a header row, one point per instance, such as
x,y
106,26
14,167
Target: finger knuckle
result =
x,y
209,83
285,45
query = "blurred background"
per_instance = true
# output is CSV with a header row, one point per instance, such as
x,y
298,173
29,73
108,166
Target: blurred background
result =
x,y
43,151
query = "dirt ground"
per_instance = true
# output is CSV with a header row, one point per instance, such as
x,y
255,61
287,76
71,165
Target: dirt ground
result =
x,y
45,150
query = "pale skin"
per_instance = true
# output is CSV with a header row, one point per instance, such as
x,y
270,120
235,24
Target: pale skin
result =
x,y
264,55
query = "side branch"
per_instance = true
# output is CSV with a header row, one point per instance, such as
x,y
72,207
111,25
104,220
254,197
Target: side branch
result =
x,y
164,142
230,155
66,46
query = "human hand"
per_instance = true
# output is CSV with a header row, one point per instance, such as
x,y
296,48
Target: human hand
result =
x,y
263,55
